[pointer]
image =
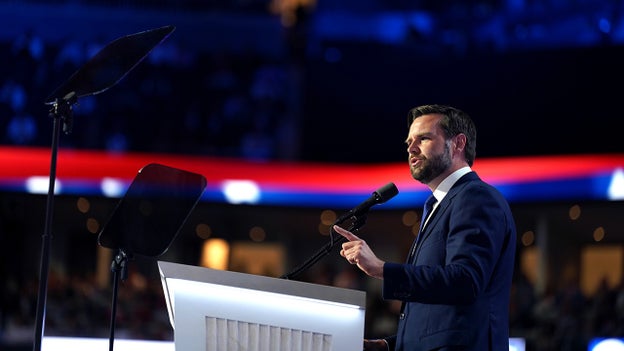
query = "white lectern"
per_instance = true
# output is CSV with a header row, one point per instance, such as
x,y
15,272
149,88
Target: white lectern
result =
x,y
214,310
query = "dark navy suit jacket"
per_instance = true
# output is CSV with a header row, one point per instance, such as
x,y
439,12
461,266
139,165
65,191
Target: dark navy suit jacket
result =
x,y
455,285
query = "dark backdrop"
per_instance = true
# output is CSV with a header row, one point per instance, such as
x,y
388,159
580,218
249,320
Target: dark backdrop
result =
x,y
563,101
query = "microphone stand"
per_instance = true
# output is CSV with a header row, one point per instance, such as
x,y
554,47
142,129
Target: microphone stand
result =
x,y
358,222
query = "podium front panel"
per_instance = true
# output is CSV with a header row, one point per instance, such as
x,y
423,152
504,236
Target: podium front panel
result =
x,y
213,310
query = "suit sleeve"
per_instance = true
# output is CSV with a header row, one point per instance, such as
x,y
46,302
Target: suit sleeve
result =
x,y
391,340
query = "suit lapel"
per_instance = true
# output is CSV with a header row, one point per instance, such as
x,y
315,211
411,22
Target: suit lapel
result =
x,y
433,219
439,211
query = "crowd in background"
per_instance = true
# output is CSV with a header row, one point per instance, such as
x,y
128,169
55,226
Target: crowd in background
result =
x,y
175,101
564,320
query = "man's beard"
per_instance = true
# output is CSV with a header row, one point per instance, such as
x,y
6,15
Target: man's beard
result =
x,y
433,167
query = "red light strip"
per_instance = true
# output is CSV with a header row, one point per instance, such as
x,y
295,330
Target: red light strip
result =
x,y
19,163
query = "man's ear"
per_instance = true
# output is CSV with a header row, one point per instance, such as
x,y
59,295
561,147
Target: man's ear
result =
x,y
460,142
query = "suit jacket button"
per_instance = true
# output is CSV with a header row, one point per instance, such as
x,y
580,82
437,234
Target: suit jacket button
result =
x,y
402,315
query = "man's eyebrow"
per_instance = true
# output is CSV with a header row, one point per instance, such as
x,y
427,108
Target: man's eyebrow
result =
x,y
420,135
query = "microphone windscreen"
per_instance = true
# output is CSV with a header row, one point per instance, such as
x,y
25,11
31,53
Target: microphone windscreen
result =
x,y
387,192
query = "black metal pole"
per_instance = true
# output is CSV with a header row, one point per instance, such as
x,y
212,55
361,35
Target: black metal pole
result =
x,y
119,267
46,240
60,112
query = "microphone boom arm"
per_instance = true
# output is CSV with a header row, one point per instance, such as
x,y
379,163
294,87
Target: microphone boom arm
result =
x,y
357,215
358,222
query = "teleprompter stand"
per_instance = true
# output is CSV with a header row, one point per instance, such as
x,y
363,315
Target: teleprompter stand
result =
x,y
147,219
100,73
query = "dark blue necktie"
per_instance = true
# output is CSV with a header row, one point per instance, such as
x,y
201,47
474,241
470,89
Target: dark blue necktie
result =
x,y
431,200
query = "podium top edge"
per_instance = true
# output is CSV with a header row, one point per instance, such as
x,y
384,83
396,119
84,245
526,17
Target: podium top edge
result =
x,y
170,270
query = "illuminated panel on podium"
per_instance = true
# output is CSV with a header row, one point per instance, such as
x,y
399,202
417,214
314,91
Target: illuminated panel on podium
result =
x,y
211,309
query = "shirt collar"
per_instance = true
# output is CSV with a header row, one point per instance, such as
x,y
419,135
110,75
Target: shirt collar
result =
x,y
448,182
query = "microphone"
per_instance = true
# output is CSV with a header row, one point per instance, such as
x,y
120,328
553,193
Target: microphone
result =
x,y
379,196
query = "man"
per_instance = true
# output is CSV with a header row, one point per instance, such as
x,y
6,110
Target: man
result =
x,y
455,285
